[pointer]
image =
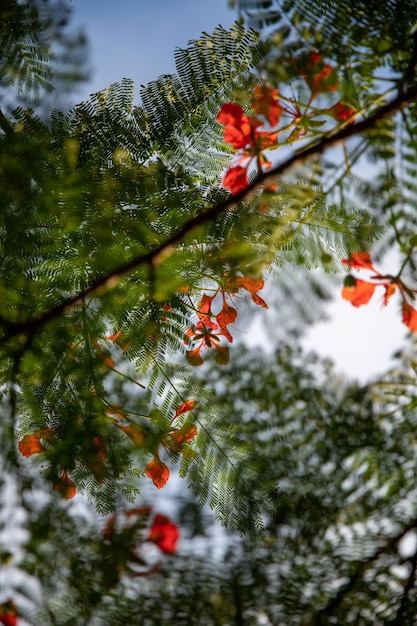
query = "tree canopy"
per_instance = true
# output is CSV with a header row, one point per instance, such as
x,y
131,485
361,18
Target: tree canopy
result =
x,y
137,240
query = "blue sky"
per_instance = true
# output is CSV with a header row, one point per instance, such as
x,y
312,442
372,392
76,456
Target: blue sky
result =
x,y
137,38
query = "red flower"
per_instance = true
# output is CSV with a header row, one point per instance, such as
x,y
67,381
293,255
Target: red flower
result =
x,y
235,179
208,333
253,285
186,406
410,317
31,444
265,102
95,458
8,613
359,292
238,127
164,534
226,316
158,472
176,439
319,76
343,112
360,259
241,131
65,486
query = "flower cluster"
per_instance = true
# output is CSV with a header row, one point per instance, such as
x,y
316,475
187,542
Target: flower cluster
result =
x,y
92,451
242,130
174,441
359,292
206,333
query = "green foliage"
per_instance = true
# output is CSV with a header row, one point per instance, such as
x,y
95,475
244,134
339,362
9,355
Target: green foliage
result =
x,y
121,251
339,545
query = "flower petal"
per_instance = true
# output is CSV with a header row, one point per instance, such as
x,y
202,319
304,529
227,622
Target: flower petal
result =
x,y
360,259
158,472
235,179
164,534
186,406
65,486
265,102
359,293
410,317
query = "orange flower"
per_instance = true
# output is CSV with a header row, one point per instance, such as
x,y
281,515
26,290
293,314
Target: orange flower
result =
x,y
135,432
360,259
390,289
265,102
118,338
410,317
208,333
157,471
176,439
164,534
357,292
186,406
226,316
31,444
65,486
253,285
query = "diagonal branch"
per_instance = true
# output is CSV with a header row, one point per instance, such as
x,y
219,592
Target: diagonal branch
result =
x,y
155,256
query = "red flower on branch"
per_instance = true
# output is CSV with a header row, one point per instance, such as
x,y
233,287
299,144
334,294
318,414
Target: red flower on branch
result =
x,y
135,432
359,292
342,112
164,534
238,128
185,407
319,76
253,285
241,131
236,179
207,334
176,439
158,472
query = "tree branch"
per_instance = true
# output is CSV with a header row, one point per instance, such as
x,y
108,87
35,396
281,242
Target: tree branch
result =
x,y
361,569
155,256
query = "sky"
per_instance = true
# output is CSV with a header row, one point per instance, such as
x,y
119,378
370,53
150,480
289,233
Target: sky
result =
x,y
136,39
